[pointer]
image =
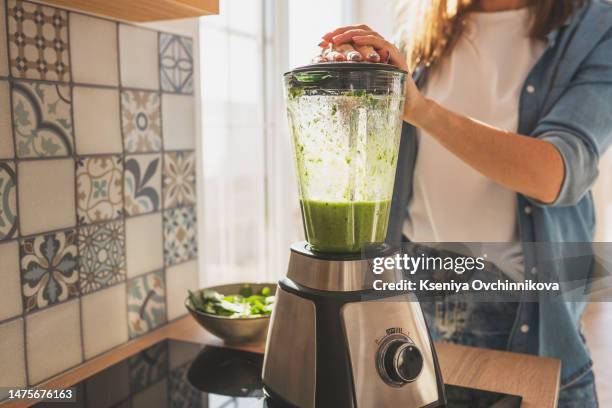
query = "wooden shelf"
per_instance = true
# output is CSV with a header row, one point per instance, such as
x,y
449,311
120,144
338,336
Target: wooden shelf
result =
x,y
141,10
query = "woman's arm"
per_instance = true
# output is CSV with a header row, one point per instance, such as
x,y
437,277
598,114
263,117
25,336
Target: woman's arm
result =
x,y
523,164
527,165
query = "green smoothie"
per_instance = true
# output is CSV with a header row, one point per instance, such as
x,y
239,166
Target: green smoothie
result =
x,y
344,226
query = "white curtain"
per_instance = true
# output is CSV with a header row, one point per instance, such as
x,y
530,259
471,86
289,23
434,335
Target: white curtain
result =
x,y
251,211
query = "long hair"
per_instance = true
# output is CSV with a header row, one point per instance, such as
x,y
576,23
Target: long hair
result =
x,y
426,30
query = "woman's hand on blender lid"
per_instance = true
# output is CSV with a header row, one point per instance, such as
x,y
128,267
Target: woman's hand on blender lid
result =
x,y
359,43
345,50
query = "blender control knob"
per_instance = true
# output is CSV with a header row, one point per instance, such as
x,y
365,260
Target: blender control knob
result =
x,y
399,361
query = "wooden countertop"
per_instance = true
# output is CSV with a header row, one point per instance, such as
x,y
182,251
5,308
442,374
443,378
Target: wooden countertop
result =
x,y
535,378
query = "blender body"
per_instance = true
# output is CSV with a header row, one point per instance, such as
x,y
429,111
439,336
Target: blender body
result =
x,y
333,341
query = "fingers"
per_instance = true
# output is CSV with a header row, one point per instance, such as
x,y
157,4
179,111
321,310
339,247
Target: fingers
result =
x,y
342,52
374,41
330,54
349,52
368,53
386,50
377,43
347,36
340,30
358,43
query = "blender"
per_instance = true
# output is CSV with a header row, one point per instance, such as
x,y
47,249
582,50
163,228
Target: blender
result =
x,y
333,340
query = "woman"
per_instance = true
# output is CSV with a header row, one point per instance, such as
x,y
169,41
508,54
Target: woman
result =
x,y
507,116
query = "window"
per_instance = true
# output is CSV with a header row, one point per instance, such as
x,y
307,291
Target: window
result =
x,y
251,210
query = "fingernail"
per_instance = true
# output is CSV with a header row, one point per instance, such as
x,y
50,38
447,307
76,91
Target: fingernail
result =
x,y
374,57
354,56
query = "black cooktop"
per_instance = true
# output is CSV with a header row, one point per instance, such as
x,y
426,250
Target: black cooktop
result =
x,y
177,374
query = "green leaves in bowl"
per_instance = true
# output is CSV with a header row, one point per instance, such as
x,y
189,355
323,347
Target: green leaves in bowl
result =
x,y
244,304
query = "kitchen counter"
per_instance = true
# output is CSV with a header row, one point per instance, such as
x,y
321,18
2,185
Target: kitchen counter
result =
x,y
536,379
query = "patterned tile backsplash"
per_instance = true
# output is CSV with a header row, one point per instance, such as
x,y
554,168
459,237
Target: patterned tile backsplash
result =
x,y
179,179
146,300
176,63
42,119
49,272
38,41
99,188
8,201
98,237
101,256
142,184
141,121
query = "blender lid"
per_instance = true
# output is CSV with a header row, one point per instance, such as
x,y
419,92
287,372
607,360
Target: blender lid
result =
x,y
346,66
330,77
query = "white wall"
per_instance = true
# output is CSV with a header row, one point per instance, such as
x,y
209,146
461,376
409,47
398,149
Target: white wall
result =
x,y
378,14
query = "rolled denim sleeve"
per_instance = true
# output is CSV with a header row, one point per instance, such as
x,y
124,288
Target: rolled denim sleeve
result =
x,y
580,164
579,124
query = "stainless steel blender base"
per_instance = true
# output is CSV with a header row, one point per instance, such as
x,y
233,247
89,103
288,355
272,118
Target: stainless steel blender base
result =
x,y
289,363
329,346
371,328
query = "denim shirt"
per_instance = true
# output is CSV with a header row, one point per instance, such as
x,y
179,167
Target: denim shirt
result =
x,y
566,100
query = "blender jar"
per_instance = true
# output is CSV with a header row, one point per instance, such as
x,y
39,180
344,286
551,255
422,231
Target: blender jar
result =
x,y
345,125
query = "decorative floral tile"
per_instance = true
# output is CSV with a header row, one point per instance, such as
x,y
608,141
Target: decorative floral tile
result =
x,y
176,56
38,41
140,111
42,119
48,269
8,201
142,184
146,303
101,256
182,393
148,367
99,192
180,235
179,179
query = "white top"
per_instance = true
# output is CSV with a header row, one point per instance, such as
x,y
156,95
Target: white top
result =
x,y
482,78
